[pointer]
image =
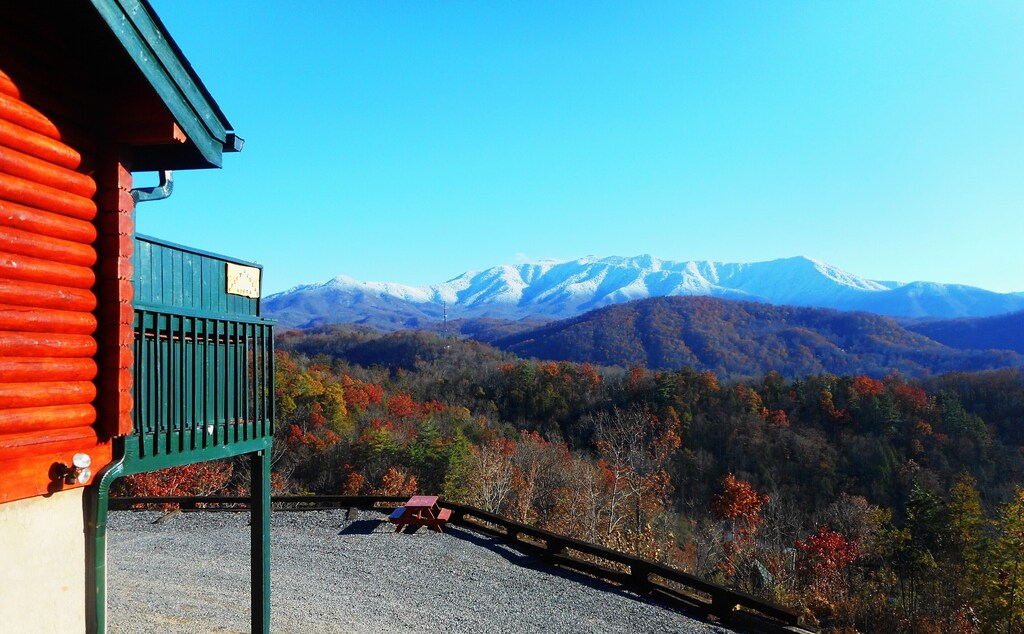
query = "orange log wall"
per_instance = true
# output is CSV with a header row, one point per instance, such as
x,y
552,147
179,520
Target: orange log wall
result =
x,y
65,333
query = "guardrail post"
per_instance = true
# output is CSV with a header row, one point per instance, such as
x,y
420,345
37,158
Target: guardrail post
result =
x,y
458,514
723,604
552,547
640,577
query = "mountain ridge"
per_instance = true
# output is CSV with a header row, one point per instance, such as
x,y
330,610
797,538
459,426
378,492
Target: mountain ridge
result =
x,y
736,338
556,290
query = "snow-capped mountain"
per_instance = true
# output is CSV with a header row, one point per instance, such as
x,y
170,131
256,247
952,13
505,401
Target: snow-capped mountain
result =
x,y
556,289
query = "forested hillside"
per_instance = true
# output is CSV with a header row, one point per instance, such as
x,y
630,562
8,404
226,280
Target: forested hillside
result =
x,y
743,339
405,349
1003,332
876,504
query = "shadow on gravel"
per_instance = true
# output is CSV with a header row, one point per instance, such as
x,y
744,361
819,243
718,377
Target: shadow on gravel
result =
x,y
362,527
533,562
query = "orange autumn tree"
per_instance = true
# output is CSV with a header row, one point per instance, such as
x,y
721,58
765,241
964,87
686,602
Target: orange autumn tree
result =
x,y
535,481
198,479
542,470
396,482
824,558
740,505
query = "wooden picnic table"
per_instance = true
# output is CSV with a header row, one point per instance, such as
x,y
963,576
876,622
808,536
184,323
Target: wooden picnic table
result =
x,y
420,510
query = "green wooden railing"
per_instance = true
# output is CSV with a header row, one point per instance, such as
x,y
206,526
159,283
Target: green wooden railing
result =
x,y
204,376
202,384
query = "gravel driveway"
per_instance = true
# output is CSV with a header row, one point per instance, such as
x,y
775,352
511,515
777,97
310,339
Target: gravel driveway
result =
x,y
190,573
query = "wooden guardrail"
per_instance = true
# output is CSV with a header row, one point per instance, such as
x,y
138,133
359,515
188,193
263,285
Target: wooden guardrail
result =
x,y
659,581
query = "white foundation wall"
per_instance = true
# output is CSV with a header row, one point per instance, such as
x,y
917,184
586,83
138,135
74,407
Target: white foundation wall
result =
x,y
42,564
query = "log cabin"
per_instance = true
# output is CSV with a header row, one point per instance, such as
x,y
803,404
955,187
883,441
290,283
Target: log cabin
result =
x,y
119,353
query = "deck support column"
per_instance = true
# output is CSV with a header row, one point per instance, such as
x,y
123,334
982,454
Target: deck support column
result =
x,y
260,541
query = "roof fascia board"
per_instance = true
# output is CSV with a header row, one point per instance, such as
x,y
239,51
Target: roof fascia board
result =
x,y
178,67
158,60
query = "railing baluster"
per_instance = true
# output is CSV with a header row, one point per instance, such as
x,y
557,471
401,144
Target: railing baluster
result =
x,y
261,382
176,344
254,382
246,364
193,422
218,432
259,420
206,382
153,386
158,382
141,384
235,370
272,410
167,398
231,379
222,381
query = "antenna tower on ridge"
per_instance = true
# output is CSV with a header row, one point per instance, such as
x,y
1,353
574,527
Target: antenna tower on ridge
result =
x,y
444,325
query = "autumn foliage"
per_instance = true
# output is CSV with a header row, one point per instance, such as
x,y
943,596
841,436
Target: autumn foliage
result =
x,y
870,503
201,478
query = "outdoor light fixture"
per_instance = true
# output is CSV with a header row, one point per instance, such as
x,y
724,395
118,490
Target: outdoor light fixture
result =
x,y
79,471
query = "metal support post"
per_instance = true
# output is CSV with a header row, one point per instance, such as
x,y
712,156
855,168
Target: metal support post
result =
x,y
260,541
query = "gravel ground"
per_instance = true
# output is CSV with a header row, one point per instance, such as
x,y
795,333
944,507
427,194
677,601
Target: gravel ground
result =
x,y
190,574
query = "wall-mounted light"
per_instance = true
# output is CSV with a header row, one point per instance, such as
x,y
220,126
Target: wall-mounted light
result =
x,y
79,472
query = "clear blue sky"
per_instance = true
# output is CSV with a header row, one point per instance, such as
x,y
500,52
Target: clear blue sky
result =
x,y
412,141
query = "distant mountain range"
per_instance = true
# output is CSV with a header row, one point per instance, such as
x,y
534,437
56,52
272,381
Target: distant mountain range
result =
x,y
557,290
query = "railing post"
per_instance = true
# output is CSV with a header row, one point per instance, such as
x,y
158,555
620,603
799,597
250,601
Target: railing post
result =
x,y
640,576
552,548
723,604
260,541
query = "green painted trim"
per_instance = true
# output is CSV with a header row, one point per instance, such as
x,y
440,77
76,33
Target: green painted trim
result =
x,y
165,309
173,278
135,462
141,237
148,24
147,43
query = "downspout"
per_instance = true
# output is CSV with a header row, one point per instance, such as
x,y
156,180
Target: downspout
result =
x,y
161,191
98,501
98,495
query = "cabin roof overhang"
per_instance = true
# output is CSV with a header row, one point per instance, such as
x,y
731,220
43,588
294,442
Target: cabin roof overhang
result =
x,y
109,69
202,133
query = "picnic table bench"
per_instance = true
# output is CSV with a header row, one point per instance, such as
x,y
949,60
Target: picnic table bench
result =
x,y
420,510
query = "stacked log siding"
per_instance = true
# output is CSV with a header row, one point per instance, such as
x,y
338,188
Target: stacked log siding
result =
x,y
47,301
